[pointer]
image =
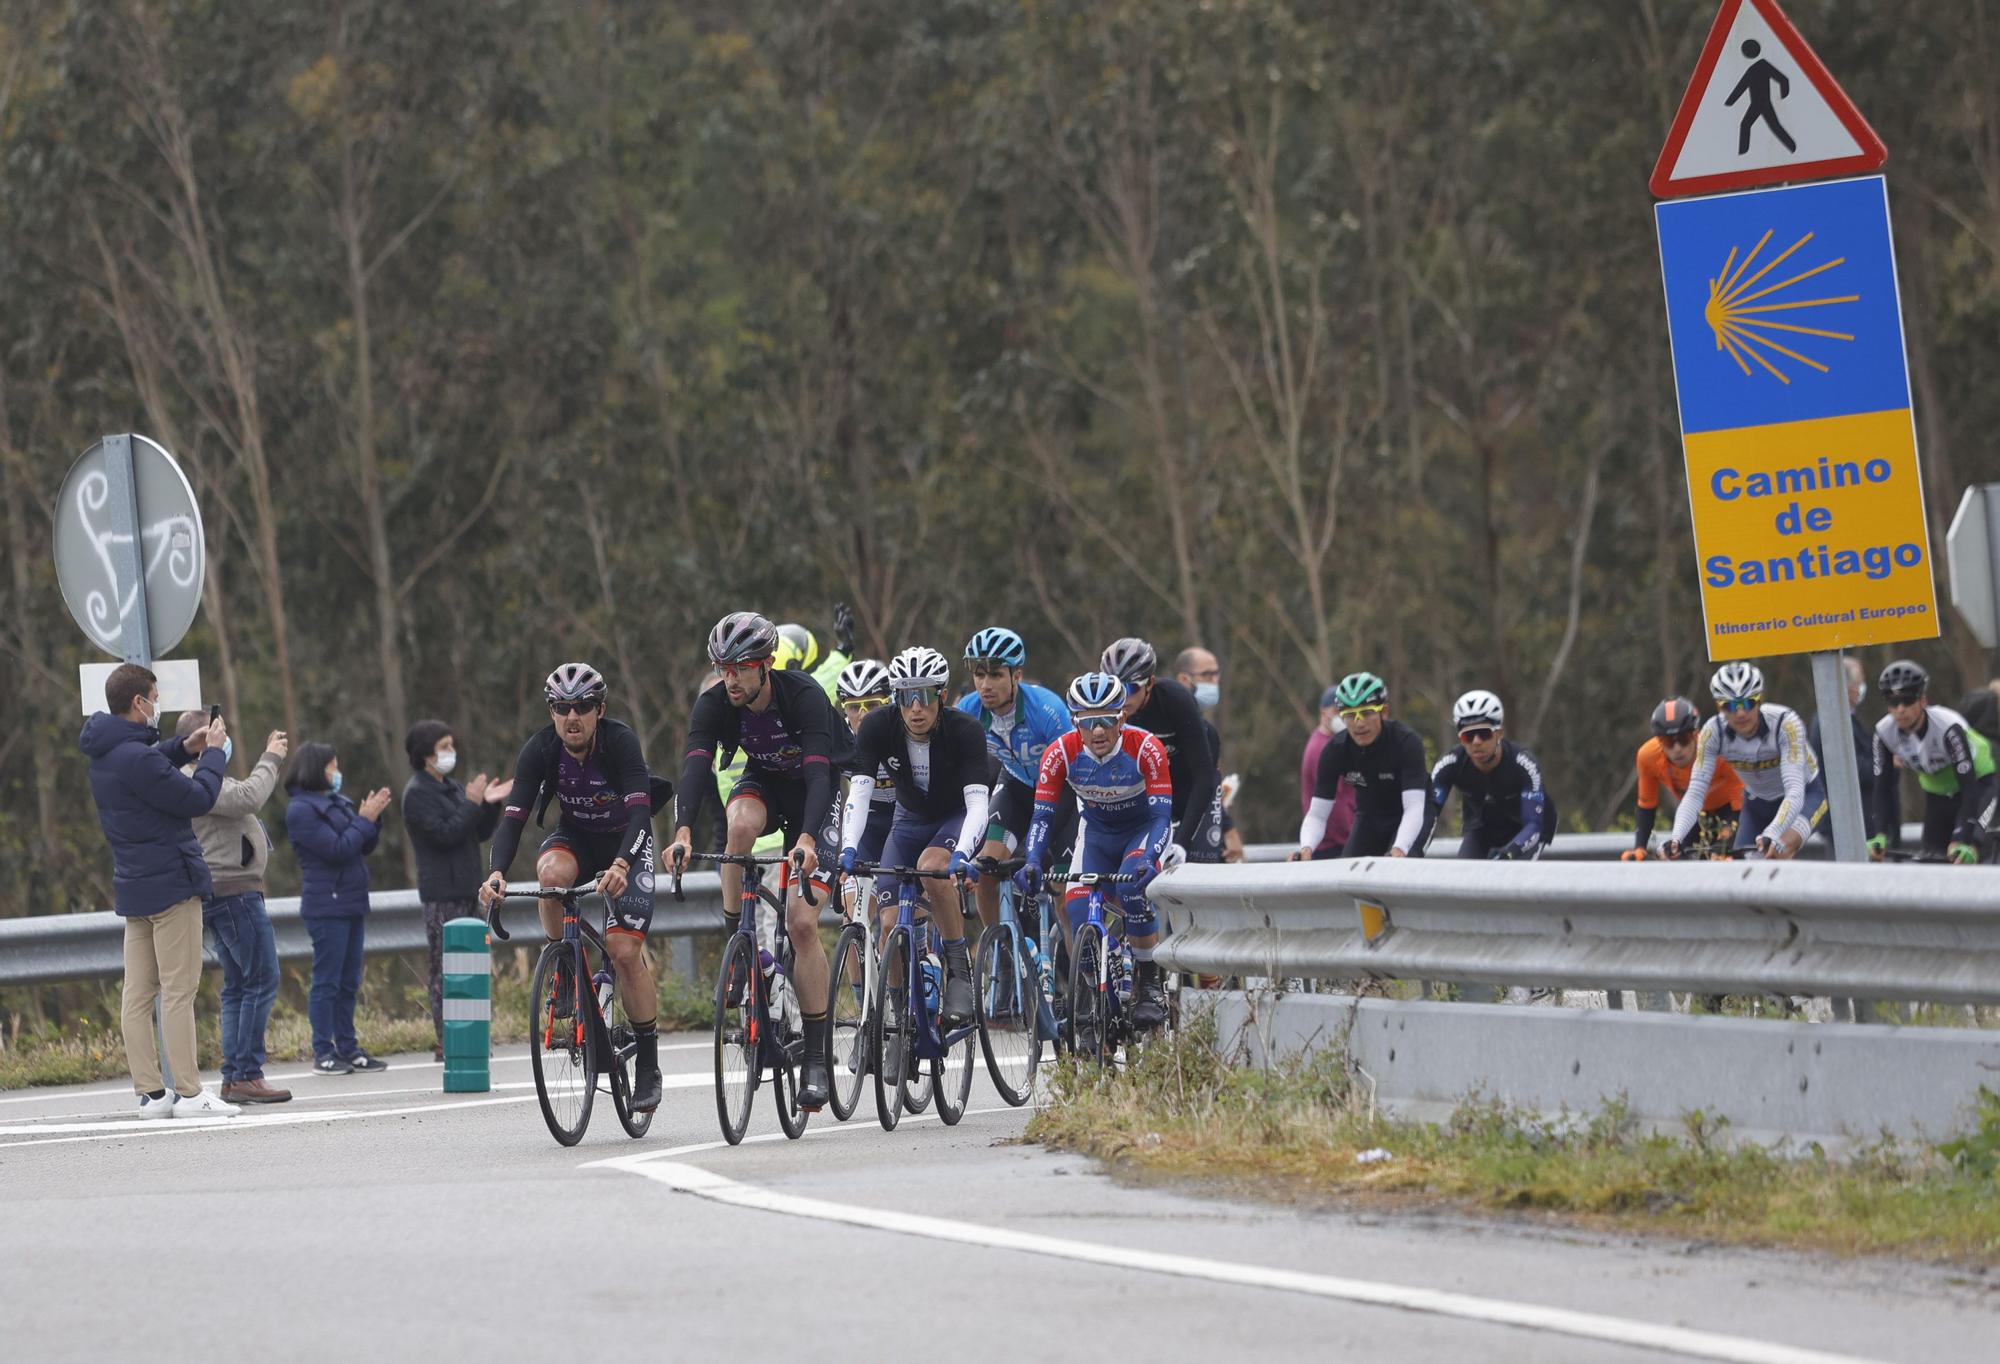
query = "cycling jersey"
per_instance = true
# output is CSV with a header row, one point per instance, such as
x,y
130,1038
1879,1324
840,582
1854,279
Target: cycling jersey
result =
x,y
606,793
1172,716
1123,792
1776,765
1952,761
1018,738
794,743
1657,771
1390,779
938,778
1505,808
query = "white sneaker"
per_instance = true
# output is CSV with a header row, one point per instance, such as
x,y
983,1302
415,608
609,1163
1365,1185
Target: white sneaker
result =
x,y
204,1105
162,1107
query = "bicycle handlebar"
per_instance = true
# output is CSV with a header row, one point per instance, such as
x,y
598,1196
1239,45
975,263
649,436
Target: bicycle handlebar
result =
x,y
532,890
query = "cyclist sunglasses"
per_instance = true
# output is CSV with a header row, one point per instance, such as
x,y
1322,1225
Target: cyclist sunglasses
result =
x,y
1090,722
1898,699
1482,735
1356,712
572,707
1677,740
861,705
1738,704
918,696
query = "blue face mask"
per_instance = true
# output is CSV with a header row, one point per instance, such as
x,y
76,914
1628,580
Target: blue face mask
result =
x,y
228,749
334,785
1208,695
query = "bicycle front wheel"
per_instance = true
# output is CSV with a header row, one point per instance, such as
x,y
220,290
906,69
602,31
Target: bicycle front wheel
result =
x,y
847,1013
622,1060
1008,1016
560,1048
951,1074
894,1032
1089,1009
736,1036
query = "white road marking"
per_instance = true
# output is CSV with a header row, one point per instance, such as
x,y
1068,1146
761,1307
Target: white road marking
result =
x,y
692,1179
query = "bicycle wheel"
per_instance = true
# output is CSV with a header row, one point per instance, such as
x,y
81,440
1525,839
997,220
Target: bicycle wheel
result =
x,y
736,1036
895,1031
561,1049
1089,1011
951,1075
916,1083
1008,999
621,1056
847,1015
785,1090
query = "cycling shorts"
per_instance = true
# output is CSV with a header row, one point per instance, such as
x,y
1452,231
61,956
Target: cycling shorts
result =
x,y
1014,809
875,834
1205,841
1374,835
783,797
632,912
1111,851
1941,812
1482,843
1758,814
909,837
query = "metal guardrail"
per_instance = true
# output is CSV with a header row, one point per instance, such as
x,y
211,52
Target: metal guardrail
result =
x,y
1598,847
1787,928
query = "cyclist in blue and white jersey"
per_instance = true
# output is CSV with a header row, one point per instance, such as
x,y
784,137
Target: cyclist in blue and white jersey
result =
x,y
1120,776
1783,793
1021,721
1953,762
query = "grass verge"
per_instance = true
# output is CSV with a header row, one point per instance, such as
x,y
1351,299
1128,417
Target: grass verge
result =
x,y
1301,1131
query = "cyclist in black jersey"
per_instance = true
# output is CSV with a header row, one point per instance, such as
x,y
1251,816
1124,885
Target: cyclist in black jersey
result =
x,y
795,745
1383,760
1168,711
1507,813
592,769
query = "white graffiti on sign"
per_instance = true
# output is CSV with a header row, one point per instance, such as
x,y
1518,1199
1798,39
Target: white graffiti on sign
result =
x,y
170,541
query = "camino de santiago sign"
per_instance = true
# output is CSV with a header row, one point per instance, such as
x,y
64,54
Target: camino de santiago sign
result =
x,y
1787,336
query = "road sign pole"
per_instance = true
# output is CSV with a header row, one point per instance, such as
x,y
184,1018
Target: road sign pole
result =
x,y
1843,775
127,548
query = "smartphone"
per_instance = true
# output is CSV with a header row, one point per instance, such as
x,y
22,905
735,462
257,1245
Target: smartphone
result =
x,y
214,714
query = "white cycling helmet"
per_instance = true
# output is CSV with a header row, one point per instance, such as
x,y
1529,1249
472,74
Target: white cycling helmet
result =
x,y
917,667
1096,692
863,678
1476,709
1736,682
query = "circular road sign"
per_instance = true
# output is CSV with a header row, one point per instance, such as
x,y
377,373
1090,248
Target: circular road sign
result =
x,y
92,539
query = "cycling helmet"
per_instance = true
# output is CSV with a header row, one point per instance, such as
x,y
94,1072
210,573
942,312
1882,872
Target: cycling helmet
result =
x,y
1132,661
1736,682
1904,676
918,666
742,637
863,678
575,682
1360,689
796,649
1675,715
1096,692
998,643
1477,708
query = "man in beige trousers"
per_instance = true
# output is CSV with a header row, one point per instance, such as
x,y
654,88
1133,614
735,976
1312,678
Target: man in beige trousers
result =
x,y
159,879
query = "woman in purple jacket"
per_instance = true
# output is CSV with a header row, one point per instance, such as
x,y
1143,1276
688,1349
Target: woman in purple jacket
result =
x,y
332,837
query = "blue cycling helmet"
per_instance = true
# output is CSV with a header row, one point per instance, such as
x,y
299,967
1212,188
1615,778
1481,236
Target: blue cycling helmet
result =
x,y
998,644
1095,692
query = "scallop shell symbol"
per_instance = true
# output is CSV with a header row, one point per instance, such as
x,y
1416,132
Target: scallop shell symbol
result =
x,y
1738,314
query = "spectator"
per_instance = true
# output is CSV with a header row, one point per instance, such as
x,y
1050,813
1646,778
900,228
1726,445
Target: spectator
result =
x,y
1201,673
237,848
1864,741
1341,822
447,823
332,838
158,879
1981,709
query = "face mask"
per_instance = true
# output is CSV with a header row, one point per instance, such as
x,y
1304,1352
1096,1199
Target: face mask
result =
x,y
1208,694
228,749
446,761
149,721
334,785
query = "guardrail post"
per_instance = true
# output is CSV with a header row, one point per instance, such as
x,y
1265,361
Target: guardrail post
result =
x,y
468,1007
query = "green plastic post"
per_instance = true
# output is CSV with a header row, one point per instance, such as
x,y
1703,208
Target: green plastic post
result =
x,y
468,1007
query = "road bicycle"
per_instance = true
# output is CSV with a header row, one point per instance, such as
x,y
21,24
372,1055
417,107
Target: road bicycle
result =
x,y
907,1015
578,1032
1100,982
1016,979
749,1046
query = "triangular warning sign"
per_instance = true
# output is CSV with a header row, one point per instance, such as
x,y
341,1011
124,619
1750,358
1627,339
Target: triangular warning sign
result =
x,y
1760,109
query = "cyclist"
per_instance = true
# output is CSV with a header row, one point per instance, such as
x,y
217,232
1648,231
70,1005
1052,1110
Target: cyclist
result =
x,y
1383,760
1952,760
795,742
937,757
1666,761
1021,720
593,769
1168,711
798,650
1783,794
1507,812
1119,773
863,686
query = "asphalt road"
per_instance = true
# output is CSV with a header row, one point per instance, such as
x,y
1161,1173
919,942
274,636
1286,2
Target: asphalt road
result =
x,y
377,1218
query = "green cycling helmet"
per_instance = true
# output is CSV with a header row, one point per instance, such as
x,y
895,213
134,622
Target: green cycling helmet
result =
x,y
1360,689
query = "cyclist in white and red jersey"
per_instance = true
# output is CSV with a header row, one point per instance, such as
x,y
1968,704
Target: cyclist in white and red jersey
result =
x,y
1783,794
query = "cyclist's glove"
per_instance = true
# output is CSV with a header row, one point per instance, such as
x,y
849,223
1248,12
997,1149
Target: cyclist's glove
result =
x,y
1877,846
1632,855
962,865
1671,850
1963,853
843,628
848,857
1175,856
1028,880
1506,854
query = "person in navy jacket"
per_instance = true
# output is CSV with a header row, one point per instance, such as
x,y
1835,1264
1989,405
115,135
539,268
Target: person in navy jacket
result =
x,y
332,838
146,806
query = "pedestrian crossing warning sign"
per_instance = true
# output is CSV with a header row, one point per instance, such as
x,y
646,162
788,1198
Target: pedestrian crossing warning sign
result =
x,y
1761,109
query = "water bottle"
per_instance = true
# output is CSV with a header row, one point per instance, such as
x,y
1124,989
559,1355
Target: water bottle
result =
x,y
603,981
932,972
784,1002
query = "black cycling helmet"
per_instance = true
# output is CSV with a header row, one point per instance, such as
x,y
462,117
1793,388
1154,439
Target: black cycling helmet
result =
x,y
1905,676
742,637
1132,661
1675,715
575,682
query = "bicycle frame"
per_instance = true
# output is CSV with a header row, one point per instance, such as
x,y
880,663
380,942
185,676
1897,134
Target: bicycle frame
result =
x,y
578,936
1117,1001
772,1051
931,1044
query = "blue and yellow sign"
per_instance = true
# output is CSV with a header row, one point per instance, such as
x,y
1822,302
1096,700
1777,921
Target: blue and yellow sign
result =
x,y
1801,447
